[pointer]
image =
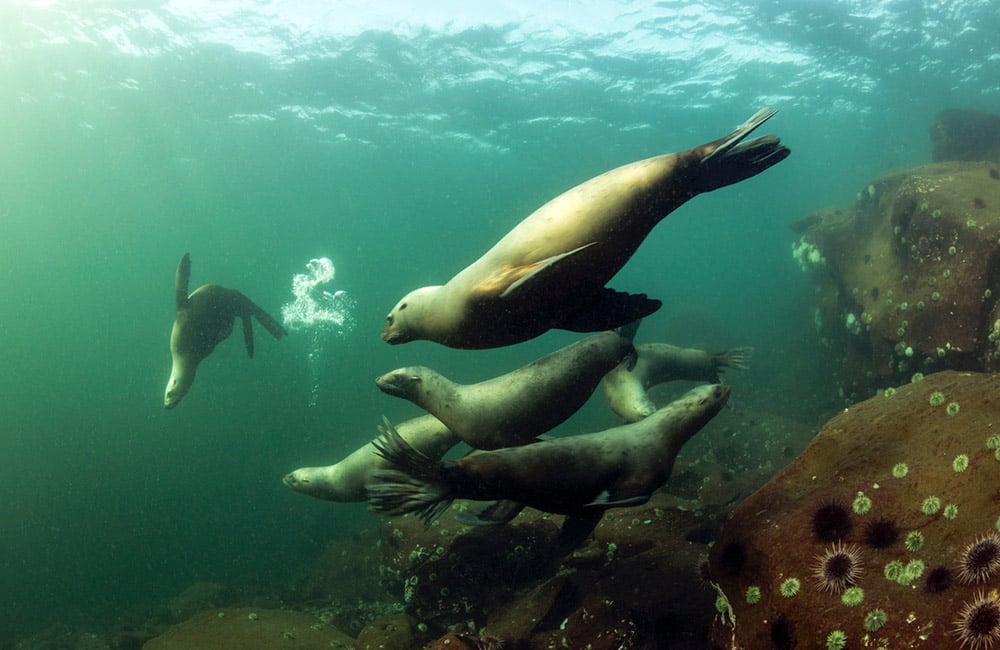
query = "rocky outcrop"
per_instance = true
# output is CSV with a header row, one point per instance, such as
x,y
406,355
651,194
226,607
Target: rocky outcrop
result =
x,y
908,278
870,536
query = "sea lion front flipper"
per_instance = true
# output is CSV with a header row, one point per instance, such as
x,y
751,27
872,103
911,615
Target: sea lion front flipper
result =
x,y
181,280
575,529
608,309
490,513
604,500
509,278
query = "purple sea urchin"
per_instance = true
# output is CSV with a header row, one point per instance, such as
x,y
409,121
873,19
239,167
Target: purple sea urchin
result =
x,y
838,568
978,624
881,533
980,560
938,579
831,522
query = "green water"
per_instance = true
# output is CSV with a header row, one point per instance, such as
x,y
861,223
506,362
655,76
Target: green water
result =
x,y
401,155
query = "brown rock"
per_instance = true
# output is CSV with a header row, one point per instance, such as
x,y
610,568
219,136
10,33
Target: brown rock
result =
x,y
197,597
396,632
242,628
909,277
778,533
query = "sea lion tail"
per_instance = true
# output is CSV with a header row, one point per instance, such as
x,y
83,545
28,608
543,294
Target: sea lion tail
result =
x,y
730,160
416,485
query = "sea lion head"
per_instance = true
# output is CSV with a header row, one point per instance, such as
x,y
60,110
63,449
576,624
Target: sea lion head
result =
x,y
403,322
181,378
183,368
322,483
402,382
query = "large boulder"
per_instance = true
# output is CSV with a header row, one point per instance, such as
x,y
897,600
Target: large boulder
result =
x,y
908,278
889,498
965,134
242,628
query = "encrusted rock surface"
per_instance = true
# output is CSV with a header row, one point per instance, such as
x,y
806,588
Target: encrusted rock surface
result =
x,y
242,628
864,483
908,278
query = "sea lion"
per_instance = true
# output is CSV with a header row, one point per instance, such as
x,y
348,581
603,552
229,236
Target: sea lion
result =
x,y
626,390
579,475
550,271
345,481
517,407
204,319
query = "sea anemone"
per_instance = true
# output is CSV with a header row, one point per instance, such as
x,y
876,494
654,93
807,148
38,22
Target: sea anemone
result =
x,y
978,624
980,560
838,568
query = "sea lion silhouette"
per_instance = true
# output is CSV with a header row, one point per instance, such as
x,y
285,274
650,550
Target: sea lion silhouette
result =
x,y
204,319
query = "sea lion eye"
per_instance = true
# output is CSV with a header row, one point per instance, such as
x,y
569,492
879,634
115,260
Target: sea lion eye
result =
x,y
402,306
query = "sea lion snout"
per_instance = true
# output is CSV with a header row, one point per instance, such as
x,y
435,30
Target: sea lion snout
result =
x,y
294,481
397,383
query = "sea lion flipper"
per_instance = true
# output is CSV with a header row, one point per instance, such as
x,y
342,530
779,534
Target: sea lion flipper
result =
x,y
509,278
181,280
577,528
608,309
490,513
271,325
730,160
248,333
605,500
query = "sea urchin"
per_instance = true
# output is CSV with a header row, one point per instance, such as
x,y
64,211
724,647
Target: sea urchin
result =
x,y
838,568
978,624
980,560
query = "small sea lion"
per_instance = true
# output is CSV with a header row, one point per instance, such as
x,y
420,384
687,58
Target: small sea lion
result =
x,y
550,271
517,407
204,319
579,475
345,481
626,390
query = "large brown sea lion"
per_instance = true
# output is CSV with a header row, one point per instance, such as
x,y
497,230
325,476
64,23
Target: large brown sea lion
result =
x,y
626,389
517,407
345,481
204,319
550,271
578,475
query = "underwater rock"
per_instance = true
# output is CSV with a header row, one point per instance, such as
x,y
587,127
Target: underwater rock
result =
x,y
884,531
198,596
241,628
907,278
635,582
396,632
965,134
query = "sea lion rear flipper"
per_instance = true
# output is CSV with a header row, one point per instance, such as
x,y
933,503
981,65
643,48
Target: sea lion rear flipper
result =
x,y
490,513
730,160
608,309
248,333
509,278
181,280
271,325
249,308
